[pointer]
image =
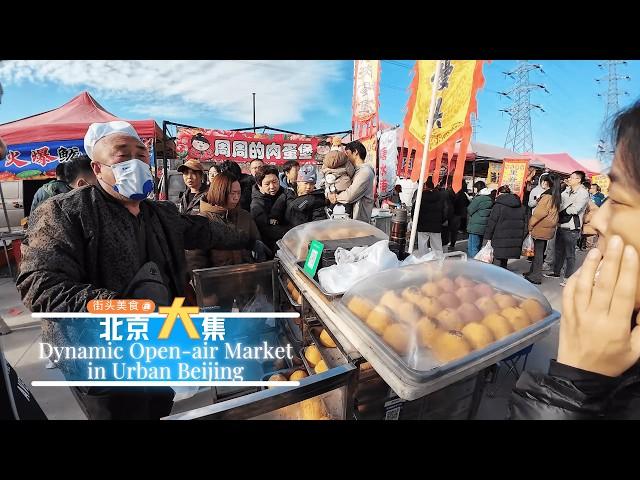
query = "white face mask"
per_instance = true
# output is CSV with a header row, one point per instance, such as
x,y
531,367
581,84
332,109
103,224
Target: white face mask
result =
x,y
133,179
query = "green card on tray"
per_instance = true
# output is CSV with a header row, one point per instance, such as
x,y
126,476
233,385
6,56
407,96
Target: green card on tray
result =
x,y
313,258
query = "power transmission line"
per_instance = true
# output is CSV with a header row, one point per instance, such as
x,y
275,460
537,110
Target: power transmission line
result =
x,y
398,64
520,136
605,149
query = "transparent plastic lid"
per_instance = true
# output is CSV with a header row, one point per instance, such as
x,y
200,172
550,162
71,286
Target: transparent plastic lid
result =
x,y
297,240
433,318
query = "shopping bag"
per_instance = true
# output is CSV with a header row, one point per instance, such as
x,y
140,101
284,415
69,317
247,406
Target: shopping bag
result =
x,y
361,263
485,254
527,247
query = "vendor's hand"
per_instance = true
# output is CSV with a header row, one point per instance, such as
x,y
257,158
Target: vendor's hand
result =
x,y
273,221
595,330
333,198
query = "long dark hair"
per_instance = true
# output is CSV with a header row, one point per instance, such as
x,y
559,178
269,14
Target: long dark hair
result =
x,y
626,135
556,193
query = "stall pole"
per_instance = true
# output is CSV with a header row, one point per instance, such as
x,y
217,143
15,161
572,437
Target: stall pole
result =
x,y
473,179
254,112
4,208
425,152
165,169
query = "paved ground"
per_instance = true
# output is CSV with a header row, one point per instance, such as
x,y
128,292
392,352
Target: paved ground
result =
x,y
21,350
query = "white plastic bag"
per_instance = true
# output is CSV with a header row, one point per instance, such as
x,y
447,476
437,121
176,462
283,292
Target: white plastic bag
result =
x,y
485,254
342,255
427,257
373,259
528,247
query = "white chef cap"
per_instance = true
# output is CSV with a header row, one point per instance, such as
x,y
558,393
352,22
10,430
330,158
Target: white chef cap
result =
x,y
100,130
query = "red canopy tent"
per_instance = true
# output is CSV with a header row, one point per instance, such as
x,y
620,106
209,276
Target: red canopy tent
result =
x,y
37,144
68,122
559,162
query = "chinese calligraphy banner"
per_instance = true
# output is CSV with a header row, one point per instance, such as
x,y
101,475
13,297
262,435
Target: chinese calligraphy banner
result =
x,y
457,87
219,145
388,158
493,174
371,144
38,161
514,173
366,79
603,181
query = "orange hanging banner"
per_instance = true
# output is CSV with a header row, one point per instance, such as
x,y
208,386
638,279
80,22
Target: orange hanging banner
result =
x,y
457,87
514,174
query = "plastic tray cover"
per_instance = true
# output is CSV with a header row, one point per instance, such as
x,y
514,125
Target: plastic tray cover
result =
x,y
431,318
297,239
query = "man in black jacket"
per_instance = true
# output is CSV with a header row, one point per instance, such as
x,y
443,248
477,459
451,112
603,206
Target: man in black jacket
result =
x,y
430,218
268,205
109,242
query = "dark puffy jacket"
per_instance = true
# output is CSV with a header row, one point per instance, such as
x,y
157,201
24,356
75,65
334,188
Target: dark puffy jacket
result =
x,y
306,208
431,214
82,245
478,213
48,190
568,393
247,182
460,204
505,227
449,203
264,209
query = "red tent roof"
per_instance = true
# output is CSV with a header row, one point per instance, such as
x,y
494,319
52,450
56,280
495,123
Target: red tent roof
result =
x,y
68,122
559,162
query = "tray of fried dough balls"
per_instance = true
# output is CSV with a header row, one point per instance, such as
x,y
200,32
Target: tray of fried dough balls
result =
x,y
431,318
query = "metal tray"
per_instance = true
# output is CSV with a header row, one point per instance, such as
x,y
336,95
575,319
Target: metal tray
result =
x,y
286,372
314,280
307,365
294,304
333,355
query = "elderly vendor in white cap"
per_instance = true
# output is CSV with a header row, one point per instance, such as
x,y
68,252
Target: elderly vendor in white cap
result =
x,y
108,241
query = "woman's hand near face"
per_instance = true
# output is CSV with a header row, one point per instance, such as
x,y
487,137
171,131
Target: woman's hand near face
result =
x,y
595,333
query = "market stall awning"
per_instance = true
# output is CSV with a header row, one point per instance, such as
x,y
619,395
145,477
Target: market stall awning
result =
x,y
484,151
559,162
68,122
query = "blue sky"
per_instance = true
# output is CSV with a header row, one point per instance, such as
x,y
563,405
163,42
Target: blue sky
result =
x,y
306,96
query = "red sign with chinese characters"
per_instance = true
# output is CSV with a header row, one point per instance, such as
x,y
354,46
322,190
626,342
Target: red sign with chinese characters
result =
x,y
220,145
